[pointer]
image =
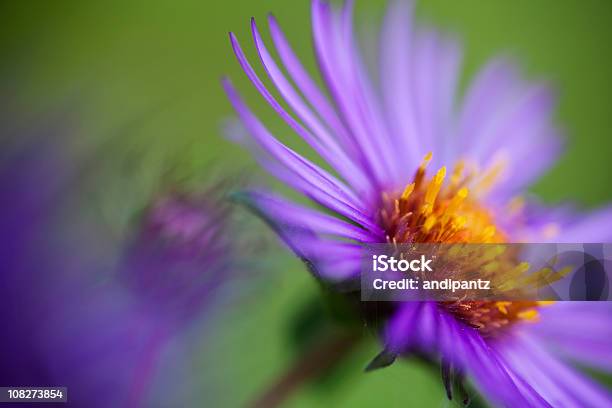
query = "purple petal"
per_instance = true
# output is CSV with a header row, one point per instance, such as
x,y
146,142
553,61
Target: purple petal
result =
x,y
436,63
307,136
367,101
293,216
395,82
401,329
556,382
490,91
310,89
424,326
337,66
320,140
578,330
314,181
319,240
595,227
502,115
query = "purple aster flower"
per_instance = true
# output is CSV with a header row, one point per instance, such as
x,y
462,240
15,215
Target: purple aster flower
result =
x,y
181,254
67,321
376,135
62,327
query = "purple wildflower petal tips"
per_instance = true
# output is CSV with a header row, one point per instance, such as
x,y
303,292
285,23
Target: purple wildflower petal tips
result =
x,y
412,161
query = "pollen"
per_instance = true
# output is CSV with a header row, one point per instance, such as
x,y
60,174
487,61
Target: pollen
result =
x,y
448,210
430,210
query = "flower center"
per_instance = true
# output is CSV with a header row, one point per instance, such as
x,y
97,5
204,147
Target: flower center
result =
x,y
430,210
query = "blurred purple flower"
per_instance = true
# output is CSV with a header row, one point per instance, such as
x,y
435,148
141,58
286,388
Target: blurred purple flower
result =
x,y
27,205
67,322
61,326
181,254
499,139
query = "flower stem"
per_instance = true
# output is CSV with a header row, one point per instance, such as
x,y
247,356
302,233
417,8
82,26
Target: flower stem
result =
x,y
323,356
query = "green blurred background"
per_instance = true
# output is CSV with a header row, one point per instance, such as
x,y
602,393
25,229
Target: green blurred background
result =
x,y
144,79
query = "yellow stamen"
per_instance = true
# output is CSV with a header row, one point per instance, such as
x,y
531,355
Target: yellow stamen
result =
x,y
429,223
457,200
457,173
460,222
529,315
491,175
432,191
418,177
488,232
407,191
501,306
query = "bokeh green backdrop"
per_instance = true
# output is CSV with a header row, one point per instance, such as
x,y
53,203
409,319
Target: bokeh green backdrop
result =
x,y
144,79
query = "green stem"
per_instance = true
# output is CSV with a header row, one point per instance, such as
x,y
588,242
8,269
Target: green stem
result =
x,y
319,359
